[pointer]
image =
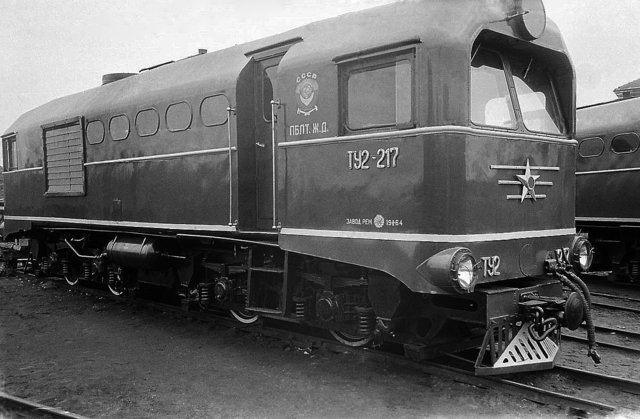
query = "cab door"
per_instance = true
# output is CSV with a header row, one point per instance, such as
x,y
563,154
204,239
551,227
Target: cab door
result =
x,y
265,145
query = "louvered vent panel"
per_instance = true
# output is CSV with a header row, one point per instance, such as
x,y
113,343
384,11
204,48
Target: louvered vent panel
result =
x,y
65,159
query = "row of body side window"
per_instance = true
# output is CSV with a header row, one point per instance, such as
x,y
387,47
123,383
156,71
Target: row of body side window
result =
x,y
623,143
177,117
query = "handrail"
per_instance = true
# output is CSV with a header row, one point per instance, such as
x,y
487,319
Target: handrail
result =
x,y
231,111
275,103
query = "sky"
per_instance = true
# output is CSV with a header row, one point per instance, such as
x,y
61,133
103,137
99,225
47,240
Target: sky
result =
x,y
52,48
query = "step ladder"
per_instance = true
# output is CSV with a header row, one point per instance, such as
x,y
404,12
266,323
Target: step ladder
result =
x,y
267,285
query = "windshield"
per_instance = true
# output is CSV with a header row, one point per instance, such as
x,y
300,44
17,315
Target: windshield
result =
x,y
537,98
490,99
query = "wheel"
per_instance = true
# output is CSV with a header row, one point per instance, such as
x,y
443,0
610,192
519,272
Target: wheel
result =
x,y
72,274
351,340
71,279
116,284
244,316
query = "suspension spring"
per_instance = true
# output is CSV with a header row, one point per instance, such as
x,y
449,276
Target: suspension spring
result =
x,y
366,320
112,276
87,270
66,269
301,308
44,266
634,269
204,294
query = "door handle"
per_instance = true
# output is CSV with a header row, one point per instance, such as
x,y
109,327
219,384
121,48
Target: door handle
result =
x,y
261,145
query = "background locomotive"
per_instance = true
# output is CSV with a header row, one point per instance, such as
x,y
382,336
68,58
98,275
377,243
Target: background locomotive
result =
x,y
607,176
399,174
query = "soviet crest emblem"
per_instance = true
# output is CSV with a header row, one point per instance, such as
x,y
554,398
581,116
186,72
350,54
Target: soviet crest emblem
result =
x,y
307,93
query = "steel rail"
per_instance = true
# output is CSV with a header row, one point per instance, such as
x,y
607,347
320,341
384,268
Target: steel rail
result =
x,y
616,297
615,330
604,344
629,385
615,307
538,394
33,409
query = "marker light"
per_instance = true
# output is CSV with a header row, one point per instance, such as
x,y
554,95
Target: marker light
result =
x,y
581,254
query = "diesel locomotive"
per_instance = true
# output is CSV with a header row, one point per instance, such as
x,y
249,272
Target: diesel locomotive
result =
x,y
401,174
607,170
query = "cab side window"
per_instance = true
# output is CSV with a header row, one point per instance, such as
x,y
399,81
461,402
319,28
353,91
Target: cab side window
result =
x,y
10,158
378,93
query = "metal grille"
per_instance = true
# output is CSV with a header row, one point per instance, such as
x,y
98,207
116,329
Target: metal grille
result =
x,y
523,349
511,348
64,159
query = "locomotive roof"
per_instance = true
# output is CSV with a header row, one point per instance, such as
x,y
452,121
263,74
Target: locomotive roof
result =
x,y
444,26
602,118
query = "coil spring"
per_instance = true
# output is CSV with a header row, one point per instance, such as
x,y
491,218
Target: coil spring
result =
x,y
112,276
301,308
44,265
365,320
87,271
66,269
204,294
634,269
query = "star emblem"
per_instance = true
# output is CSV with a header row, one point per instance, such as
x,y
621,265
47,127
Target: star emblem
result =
x,y
528,183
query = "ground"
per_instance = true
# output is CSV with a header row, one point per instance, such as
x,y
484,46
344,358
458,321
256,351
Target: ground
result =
x,y
107,359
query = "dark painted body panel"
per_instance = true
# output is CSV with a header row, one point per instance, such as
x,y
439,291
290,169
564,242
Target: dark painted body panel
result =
x,y
443,184
607,191
197,182
519,258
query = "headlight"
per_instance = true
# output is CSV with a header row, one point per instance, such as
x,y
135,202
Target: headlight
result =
x,y
581,254
452,269
463,272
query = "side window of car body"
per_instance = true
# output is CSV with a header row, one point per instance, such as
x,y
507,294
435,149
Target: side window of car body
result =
x,y
178,116
625,143
95,132
147,122
119,127
591,147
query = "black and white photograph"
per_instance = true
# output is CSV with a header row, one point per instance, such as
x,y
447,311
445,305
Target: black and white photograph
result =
x,y
319,209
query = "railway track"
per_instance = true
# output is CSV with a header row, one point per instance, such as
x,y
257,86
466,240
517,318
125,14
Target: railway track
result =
x,y
15,407
530,386
632,337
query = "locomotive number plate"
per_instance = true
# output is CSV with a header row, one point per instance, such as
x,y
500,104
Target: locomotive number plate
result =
x,y
383,158
490,266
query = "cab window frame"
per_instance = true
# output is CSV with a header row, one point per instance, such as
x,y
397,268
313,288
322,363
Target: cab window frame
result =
x,y
514,110
376,62
9,152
